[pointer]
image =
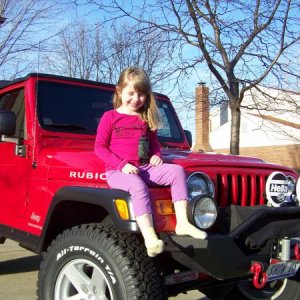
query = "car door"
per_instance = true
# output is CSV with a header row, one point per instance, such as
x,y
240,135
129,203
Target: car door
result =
x,y
13,167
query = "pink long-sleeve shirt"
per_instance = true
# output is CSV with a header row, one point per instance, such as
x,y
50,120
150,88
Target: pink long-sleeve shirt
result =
x,y
123,139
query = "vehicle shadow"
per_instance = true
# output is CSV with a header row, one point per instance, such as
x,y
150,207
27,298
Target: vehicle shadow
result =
x,y
20,265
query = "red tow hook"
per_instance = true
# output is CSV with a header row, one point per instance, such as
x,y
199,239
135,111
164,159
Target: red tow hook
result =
x,y
260,278
297,251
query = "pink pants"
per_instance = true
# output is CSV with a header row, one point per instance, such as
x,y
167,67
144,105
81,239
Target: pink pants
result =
x,y
137,185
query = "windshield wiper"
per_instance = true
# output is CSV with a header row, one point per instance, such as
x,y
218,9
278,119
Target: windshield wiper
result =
x,y
163,144
68,126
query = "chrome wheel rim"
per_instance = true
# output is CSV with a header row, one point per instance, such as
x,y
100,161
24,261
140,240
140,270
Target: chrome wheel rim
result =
x,y
81,279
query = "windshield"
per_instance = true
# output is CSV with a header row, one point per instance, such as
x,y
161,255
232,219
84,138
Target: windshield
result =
x,y
78,109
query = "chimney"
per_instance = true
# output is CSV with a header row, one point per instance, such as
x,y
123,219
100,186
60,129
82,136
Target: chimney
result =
x,y
202,118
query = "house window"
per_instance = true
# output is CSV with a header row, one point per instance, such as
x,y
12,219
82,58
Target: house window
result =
x,y
223,113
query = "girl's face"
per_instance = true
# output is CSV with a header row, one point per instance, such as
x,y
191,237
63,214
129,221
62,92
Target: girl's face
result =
x,y
132,100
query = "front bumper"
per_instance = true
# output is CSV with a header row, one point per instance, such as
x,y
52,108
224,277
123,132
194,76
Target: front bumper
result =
x,y
248,235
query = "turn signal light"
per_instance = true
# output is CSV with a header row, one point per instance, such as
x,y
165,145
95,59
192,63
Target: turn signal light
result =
x,y
122,208
165,207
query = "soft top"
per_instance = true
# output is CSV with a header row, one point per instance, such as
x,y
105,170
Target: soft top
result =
x,y
5,83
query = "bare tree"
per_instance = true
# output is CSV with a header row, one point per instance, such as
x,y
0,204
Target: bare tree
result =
x,y
77,52
23,26
88,52
144,48
243,43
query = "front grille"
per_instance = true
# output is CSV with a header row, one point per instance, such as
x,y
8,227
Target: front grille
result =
x,y
245,189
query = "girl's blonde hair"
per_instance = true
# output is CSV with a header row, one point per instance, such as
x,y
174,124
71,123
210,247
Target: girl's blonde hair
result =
x,y
149,112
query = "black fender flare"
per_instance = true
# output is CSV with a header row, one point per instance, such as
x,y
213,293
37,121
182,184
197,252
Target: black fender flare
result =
x,y
102,197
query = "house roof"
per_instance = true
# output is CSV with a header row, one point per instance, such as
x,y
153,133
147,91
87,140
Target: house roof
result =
x,y
276,120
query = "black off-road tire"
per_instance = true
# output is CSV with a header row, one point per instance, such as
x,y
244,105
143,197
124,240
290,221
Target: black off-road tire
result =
x,y
93,260
286,289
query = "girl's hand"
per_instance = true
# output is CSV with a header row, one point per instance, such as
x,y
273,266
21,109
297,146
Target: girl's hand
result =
x,y
130,169
155,161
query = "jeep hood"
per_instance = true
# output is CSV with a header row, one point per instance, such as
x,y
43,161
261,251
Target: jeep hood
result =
x,y
199,160
83,165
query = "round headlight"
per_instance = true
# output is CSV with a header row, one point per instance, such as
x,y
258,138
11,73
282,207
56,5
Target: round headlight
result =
x,y
203,212
298,189
291,184
292,187
200,184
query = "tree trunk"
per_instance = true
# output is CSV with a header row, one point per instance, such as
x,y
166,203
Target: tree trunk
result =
x,y
235,117
235,130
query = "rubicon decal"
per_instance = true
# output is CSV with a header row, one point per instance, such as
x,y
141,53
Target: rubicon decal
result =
x,y
87,175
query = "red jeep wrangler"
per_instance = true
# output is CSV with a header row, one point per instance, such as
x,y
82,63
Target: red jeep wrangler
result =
x,y
55,201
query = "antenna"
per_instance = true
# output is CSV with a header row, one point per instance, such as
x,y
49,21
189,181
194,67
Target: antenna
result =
x,y
34,163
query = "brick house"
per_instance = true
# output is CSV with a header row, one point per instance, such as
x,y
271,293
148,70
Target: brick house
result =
x,y
270,125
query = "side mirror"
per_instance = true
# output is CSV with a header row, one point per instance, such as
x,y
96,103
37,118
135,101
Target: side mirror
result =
x,y
189,137
7,122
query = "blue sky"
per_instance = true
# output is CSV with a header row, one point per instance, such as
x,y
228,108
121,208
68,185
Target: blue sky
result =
x,y
91,15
